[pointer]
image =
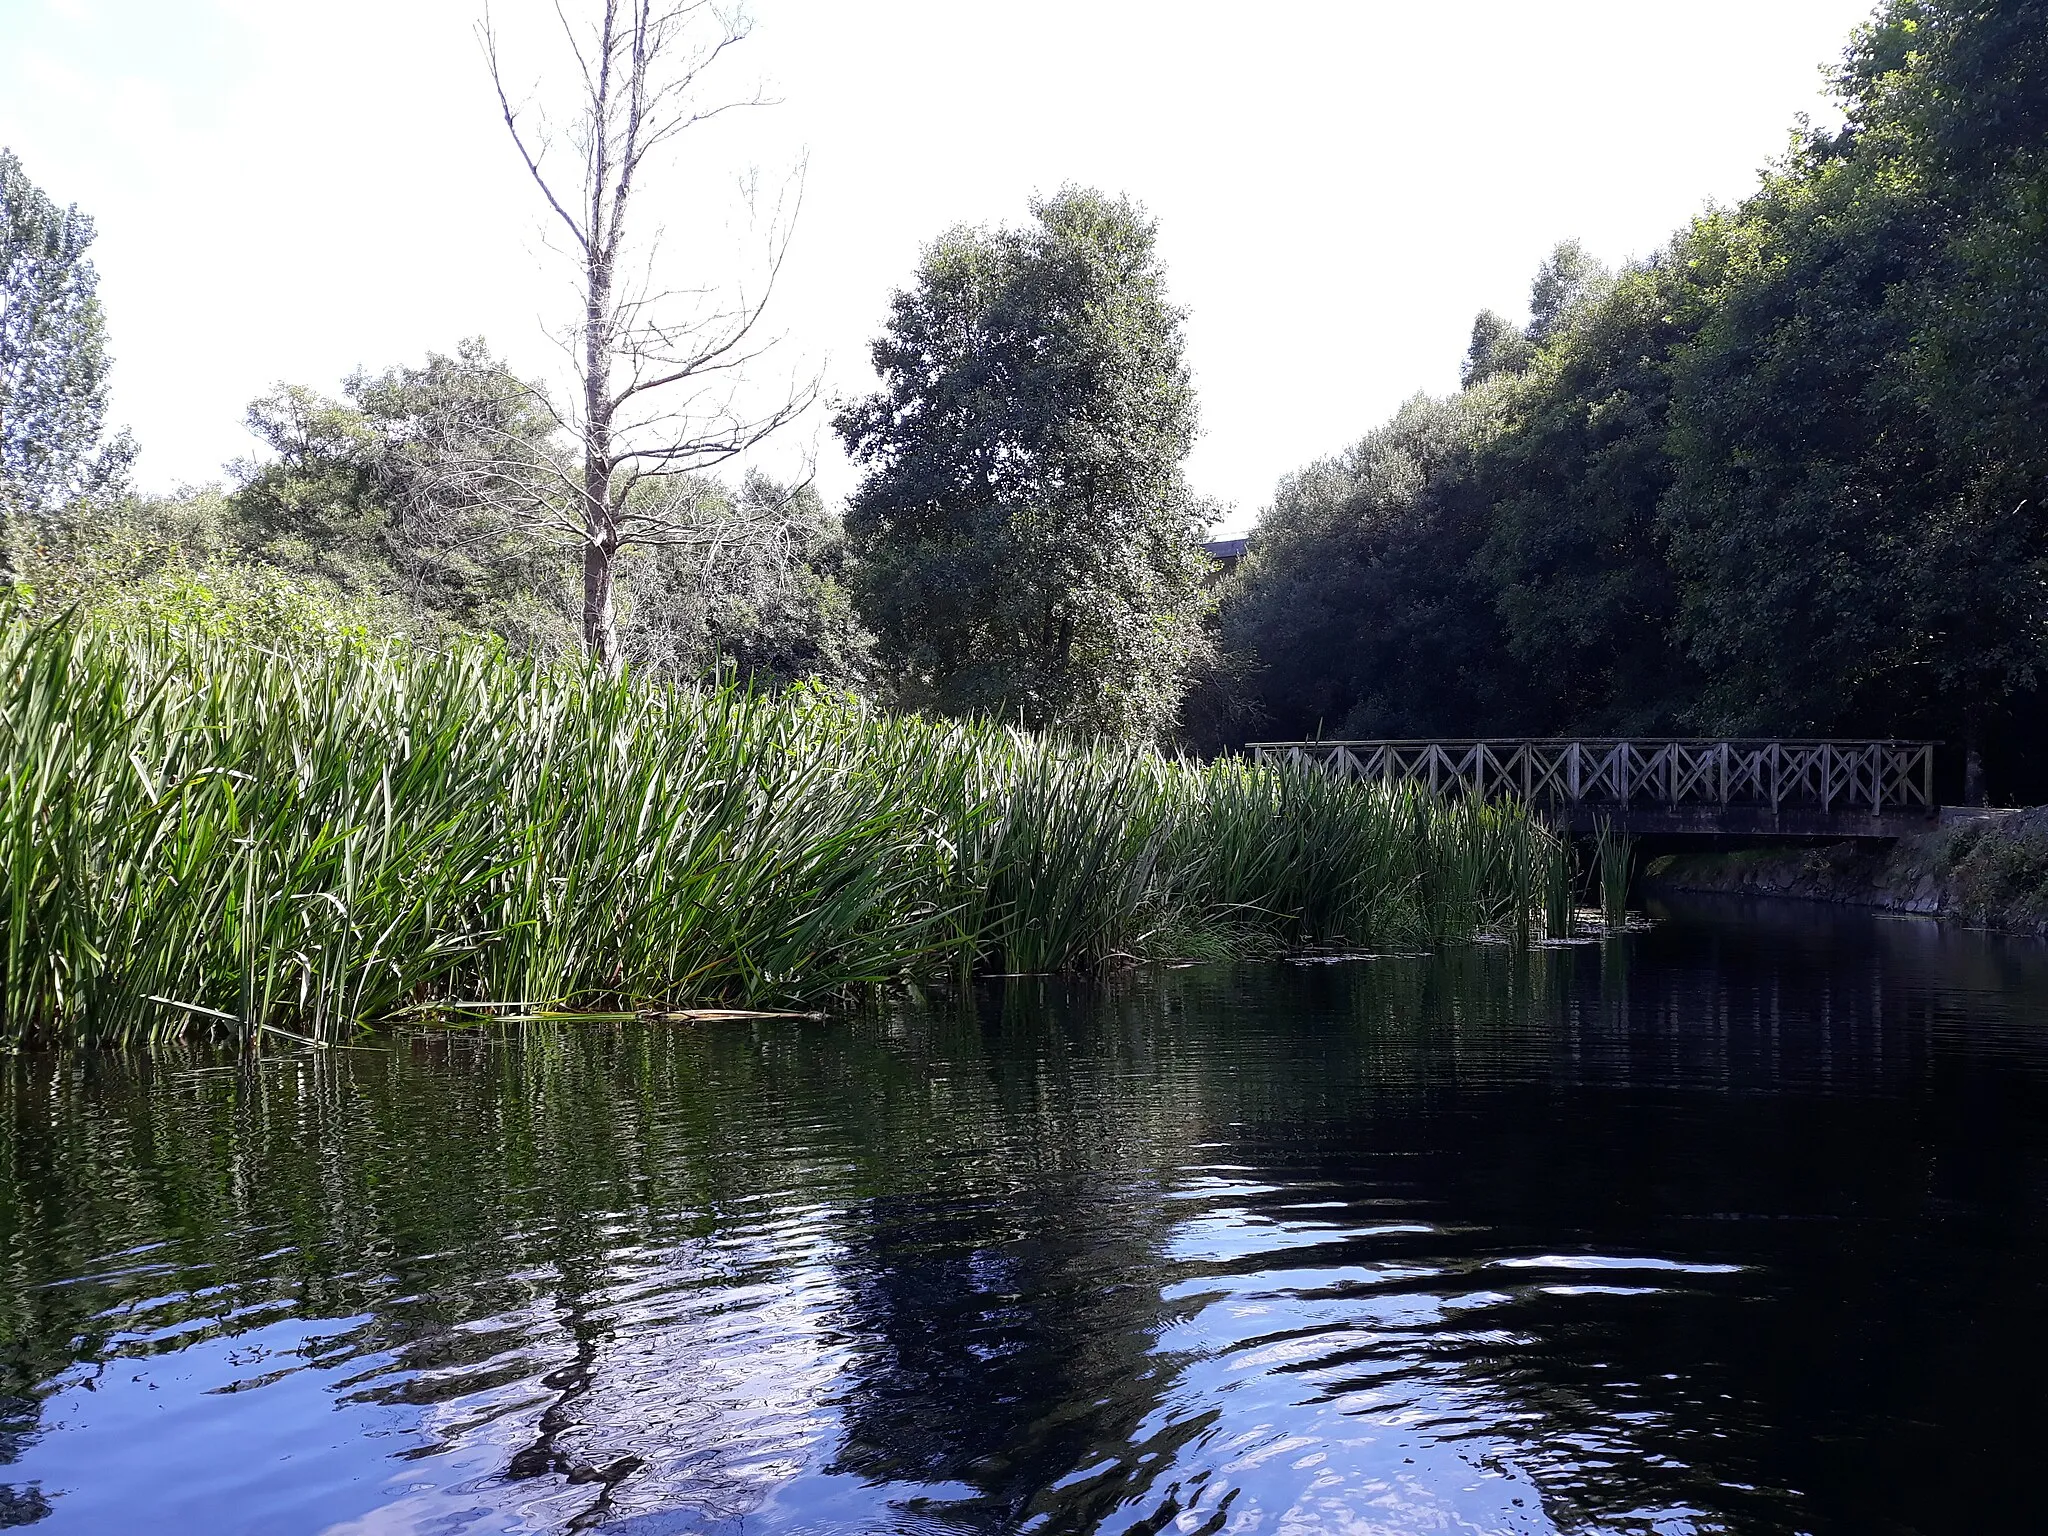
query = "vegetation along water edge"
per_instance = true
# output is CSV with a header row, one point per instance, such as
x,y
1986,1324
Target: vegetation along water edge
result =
x,y
202,835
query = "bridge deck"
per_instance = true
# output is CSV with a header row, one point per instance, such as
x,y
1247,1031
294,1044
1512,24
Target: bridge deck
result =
x,y
1662,786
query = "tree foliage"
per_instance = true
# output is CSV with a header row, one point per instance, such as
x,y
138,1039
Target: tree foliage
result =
x,y
145,563
768,602
1028,544
1860,519
1569,280
406,507
1788,474
1572,556
1360,598
1497,346
54,452
419,489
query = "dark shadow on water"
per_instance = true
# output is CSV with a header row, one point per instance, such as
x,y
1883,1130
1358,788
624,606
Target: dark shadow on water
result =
x,y
1736,1224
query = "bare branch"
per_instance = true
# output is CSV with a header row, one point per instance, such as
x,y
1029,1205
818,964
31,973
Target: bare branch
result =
x,y
490,44
662,368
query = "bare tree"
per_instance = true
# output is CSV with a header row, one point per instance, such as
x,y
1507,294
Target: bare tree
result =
x,y
662,371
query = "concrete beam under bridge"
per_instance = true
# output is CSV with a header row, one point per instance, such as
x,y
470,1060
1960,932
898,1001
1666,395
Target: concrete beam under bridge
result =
x,y
1790,823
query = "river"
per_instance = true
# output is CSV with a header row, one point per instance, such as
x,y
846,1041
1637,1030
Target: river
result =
x,y
1737,1224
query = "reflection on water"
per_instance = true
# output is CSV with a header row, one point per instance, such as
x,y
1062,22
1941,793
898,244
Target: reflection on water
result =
x,y
1736,1225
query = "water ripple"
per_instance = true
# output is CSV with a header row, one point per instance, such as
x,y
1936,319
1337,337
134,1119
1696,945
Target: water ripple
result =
x,y
1444,1247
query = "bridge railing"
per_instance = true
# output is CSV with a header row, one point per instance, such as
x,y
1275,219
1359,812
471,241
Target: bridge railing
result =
x,y
1871,776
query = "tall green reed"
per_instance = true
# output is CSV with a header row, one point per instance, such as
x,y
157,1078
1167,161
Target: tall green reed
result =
x,y
1614,857
1560,877
203,836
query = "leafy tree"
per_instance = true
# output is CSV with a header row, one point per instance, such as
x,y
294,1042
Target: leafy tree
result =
x,y
1859,516
769,602
1569,278
1498,346
54,451
313,504
421,489
141,562
1790,475
1475,564
1361,598
1803,460
420,496
1222,707
1027,542
1954,96
1574,553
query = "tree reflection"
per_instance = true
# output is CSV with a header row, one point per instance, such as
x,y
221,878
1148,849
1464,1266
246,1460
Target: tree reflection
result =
x,y
1076,1257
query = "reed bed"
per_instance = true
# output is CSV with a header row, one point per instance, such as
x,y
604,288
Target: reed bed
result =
x,y
203,837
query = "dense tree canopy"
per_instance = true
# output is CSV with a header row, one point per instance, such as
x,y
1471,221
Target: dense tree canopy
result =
x,y
1028,543
414,488
1859,518
1361,602
1572,555
1497,346
425,494
762,596
1789,474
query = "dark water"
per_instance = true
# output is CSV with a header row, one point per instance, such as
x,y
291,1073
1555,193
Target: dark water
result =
x,y
1737,1225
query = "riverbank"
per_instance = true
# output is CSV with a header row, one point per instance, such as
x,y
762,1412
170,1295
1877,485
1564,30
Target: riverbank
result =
x,y
200,836
1990,872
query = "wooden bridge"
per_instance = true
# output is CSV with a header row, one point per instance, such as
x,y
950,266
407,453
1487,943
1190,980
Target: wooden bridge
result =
x,y
1663,787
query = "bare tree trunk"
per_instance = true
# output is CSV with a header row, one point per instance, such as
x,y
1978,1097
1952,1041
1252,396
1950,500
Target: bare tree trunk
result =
x,y
600,556
601,532
659,368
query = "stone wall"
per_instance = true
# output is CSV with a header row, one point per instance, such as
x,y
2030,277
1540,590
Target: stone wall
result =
x,y
1990,871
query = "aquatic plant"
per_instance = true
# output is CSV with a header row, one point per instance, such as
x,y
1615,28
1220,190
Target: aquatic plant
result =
x,y
1614,858
204,836
1560,880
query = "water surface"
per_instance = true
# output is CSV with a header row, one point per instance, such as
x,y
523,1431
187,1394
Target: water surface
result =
x,y
1736,1225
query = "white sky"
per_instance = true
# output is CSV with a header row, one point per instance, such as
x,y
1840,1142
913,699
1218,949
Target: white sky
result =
x,y
286,189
